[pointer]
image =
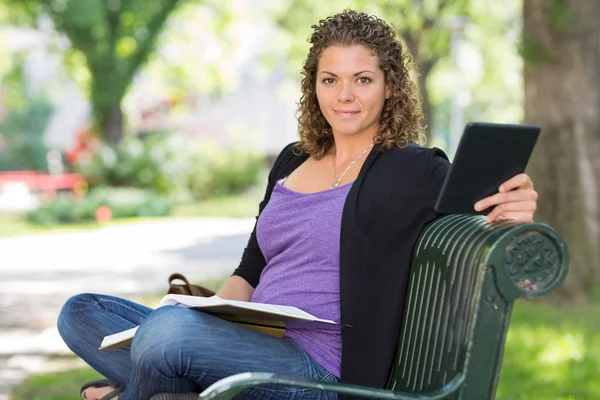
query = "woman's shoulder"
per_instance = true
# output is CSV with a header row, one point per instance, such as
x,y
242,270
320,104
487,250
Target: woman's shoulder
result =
x,y
289,152
288,159
423,169
416,154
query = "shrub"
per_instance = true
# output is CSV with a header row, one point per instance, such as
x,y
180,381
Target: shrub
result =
x,y
215,172
22,133
123,203
173,166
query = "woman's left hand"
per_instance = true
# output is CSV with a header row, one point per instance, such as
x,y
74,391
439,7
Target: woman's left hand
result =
x,y
516,200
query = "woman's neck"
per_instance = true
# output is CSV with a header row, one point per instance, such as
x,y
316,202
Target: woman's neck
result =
x,y
346,148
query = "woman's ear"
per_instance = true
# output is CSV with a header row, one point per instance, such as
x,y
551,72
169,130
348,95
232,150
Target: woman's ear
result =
x,y
388,92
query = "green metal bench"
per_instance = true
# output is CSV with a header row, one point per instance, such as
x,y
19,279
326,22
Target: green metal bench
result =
x,y
464,279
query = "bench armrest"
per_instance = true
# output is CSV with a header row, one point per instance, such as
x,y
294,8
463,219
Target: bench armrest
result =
x,y
229,387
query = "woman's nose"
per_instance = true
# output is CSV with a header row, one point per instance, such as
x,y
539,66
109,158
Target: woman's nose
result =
x,y
346,94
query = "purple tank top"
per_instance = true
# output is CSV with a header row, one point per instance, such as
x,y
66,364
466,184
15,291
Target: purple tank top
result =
x,y
299,235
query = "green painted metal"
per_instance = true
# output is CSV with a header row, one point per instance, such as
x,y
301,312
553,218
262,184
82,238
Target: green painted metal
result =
x,y
228,388
465,276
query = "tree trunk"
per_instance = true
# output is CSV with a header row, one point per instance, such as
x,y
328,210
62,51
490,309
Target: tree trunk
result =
x,y
113,129
107,93
562,95
424,67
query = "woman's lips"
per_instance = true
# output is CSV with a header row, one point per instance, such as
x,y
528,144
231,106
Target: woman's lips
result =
x,y
346,113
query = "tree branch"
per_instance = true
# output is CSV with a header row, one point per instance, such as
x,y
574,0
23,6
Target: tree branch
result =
x,y
140,55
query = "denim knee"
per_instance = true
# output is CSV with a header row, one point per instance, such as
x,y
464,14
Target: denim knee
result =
x,y
161,340
67,317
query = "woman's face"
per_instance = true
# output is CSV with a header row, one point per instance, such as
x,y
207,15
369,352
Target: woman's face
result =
x,y
351,90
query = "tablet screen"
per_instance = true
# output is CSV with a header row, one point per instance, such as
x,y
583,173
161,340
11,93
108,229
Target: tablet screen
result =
x,y
487,156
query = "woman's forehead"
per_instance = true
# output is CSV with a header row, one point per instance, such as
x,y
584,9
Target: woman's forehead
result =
x,y
348,59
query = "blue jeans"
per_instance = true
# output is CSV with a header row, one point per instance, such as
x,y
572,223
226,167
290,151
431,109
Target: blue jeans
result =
x,y
181,350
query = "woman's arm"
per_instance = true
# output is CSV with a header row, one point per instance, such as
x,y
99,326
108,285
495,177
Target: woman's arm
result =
x,y
236,288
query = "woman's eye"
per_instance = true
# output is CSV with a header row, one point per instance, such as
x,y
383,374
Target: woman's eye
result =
x,y
328,81
364,80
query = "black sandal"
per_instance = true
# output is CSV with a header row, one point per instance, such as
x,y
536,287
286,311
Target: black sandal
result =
x,y
102,383
175,396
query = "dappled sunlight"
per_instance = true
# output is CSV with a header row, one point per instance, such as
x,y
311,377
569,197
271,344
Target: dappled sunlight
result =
x,y
550,354
562,348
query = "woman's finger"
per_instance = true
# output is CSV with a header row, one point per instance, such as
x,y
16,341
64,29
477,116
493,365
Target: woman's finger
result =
x,y
506,197
521,206
520,216
520,181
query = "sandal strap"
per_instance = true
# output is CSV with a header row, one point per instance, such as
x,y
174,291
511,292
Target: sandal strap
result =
x,y
99,383
113,394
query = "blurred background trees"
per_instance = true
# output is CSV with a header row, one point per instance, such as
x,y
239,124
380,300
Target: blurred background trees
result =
x,y
111,38
172,107
468,64
561,48
23,127
174,86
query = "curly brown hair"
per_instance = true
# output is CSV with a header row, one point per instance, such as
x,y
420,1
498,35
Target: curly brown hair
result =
x,y
401,115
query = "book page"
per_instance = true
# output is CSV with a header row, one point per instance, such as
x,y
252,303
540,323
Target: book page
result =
x,y
118,340
266,318
271,308
190,301
215,304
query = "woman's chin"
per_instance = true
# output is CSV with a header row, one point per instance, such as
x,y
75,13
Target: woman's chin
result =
x,y
350,132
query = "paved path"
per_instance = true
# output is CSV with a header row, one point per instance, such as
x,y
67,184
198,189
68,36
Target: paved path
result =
x,y
39,272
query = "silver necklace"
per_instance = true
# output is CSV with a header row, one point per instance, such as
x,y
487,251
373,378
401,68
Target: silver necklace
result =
x,y
337,181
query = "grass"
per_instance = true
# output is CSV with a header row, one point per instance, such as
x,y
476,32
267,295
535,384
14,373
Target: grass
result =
x,y
238,206
56,386
551,354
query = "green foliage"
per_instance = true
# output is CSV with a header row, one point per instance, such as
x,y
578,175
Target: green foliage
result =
x,y
560,15
239,206
114,38
423,23
123,203
215,172
551,354
22,129
191,68
533,51
495,88
150,164
171,165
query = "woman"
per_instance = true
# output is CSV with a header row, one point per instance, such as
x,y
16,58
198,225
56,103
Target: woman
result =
x,y
342,211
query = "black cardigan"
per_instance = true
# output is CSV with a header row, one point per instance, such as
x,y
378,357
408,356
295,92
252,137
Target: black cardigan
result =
x,y
387,207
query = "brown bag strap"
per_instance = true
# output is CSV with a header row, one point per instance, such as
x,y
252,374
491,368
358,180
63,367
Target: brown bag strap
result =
x,y
177,276
187,287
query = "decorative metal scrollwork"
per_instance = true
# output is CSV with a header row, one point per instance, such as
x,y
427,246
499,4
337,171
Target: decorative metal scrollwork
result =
x,y
532,261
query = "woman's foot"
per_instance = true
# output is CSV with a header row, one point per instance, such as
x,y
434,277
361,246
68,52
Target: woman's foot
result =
x,y
97,393
101,389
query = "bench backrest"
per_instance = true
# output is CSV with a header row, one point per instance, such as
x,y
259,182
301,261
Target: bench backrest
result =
x,y
465,276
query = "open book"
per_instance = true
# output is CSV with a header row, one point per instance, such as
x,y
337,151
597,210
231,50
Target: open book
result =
x,y
267,318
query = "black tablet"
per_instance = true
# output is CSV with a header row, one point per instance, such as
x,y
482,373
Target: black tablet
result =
x,y
487,156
